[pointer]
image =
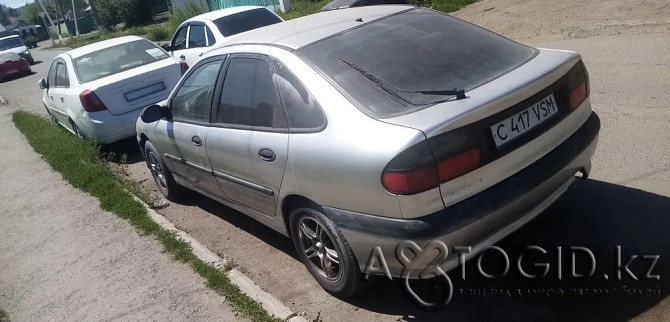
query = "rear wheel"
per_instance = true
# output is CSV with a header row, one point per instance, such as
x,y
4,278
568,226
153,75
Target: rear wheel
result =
x,y
76,130
162,175
325,252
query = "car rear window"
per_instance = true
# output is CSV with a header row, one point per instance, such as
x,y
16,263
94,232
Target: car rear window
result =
x,y
245,21
405,62
115,59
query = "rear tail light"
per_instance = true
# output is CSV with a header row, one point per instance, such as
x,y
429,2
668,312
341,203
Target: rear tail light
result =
x,y
415,170
578,85
184,67
91,102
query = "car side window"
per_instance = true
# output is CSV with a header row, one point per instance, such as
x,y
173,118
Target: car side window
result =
x,y
301,109
179,41
196,38
248,95
61,75
51,78
193,100
210,37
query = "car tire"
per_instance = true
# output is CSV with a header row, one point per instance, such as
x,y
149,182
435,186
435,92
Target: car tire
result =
x,y
76,130
325,252
161,174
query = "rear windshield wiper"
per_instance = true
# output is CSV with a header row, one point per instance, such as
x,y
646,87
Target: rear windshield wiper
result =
x,y
458,92
374,80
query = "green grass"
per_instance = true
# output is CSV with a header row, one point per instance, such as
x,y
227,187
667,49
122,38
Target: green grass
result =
x,y
301,8
3,316
81,164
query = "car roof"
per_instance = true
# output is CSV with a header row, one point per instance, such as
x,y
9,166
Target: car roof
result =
x,y
303,31
83,50
12,36
216,14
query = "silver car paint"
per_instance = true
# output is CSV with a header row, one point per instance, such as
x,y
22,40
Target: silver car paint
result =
x,y
341,165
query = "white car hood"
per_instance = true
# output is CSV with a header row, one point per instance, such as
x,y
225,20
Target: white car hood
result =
x,y
16,50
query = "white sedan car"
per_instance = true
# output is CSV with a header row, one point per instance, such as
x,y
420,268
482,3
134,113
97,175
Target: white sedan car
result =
x,y
194,35
98,91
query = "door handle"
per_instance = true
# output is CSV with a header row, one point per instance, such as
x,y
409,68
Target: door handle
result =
x,y
196,140
61,98
267,155
182,57
51,97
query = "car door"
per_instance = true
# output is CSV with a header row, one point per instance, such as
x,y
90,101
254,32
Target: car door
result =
x,y
58,83
190,42
182,139
179,43
248,144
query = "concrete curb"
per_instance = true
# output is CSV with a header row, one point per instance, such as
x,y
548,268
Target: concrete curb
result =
x,y
246,285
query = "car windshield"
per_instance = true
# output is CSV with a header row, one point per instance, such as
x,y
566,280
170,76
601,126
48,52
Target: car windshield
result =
x,y
406,62
245,21
116,59
8,56
10,42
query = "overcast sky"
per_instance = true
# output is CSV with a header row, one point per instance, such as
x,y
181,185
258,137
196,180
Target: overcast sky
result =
x,y
15,3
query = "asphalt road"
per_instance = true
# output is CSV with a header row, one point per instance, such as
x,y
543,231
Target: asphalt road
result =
x,y
626,48
64,259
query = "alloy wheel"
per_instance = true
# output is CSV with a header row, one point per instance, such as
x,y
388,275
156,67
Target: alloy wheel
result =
x,y
157,171
318,246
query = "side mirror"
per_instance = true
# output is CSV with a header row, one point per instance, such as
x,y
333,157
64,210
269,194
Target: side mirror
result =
x,y
153,113
43,84
167,47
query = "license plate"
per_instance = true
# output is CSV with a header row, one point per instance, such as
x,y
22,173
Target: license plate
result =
x,y
13,71
144,91
524,121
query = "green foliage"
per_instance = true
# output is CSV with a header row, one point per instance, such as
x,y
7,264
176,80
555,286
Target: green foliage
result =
x,y
82,165
421,3
131,12
180,15
307,7
135,12
301,8
3,316
450,5
158,33
30,14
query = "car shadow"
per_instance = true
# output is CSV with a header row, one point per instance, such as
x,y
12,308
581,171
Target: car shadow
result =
x,y
238,219
17,76
596,215
126,148
37,62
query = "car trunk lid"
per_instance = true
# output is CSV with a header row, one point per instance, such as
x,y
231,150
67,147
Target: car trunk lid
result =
x,y
454,127
138,87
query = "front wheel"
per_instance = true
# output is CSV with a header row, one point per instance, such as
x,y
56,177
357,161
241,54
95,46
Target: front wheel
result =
x,y
162,175
325,252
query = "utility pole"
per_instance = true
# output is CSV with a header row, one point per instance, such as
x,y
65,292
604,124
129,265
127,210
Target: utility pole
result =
x,y
74,13
50,22
94,9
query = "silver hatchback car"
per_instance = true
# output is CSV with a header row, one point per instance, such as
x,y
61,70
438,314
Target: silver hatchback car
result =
x,y
354,130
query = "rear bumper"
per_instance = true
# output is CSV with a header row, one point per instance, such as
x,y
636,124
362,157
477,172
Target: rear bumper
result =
x,y
104,127
482,219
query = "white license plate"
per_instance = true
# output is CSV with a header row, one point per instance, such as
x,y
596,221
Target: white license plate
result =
x,y
13,71
524,121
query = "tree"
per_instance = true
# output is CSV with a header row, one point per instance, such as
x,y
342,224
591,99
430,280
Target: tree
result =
x,y
30,14
130,12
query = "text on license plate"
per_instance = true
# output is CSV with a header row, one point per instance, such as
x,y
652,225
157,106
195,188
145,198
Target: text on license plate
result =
x,y
520,123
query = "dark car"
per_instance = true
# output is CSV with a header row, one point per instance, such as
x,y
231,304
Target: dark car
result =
x,y
341,4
